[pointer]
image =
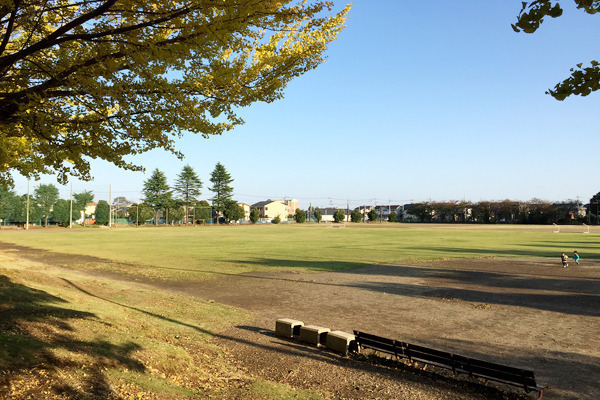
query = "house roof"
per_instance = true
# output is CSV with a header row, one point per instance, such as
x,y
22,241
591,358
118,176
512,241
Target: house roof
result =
x,y
264,203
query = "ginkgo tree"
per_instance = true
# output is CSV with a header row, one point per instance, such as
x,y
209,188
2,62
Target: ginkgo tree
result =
x,y
584,79
110,78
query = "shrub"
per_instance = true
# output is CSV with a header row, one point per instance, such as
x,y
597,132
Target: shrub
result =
x,y
356,216
373,216
300,216
393,216
318,215
276,220
339,215
254,215
102,212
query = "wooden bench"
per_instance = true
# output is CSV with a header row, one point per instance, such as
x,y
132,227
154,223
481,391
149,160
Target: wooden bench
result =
x,y
458,364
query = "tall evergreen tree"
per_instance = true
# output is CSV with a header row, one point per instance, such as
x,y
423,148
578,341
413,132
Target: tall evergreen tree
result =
x,y
188,185
46,196
157,193
221,180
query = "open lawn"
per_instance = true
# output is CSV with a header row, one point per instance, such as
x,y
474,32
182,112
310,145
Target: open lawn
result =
x,y
129,313
196,253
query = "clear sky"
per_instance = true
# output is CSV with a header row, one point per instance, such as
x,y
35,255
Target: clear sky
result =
x,y
418,100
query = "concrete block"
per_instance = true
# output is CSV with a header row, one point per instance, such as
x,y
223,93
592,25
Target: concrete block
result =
x,y
287,327
313,334
339,341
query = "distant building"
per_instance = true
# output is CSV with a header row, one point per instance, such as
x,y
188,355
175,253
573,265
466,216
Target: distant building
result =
x,y
88,214
246,208
270,209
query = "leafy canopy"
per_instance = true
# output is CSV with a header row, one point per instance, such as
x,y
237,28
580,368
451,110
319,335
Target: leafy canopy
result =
x,y
339,215
233,211
102,213
582,81
109,78
300,216
45,197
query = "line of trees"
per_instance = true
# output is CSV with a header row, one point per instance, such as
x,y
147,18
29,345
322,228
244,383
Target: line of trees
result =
x,y
175,203
160,202
45,206
534,211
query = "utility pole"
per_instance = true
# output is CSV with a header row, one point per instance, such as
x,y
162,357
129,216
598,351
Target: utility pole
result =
x,y
27,212
110,206
71,208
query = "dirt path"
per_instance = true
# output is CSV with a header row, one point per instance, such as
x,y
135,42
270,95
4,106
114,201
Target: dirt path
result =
x,y
528,313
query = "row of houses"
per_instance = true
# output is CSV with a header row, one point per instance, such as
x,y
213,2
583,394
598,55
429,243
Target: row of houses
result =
x,y
270,209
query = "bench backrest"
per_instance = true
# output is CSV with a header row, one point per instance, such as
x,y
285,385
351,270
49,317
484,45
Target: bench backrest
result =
x,y
458,364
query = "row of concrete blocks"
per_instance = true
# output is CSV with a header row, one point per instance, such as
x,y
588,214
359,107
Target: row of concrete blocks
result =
x,y
338,341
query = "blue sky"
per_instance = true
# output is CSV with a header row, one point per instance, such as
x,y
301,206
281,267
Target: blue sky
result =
x,y
418,100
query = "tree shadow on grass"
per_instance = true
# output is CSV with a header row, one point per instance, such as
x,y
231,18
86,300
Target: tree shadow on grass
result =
x,y
553,251
34,328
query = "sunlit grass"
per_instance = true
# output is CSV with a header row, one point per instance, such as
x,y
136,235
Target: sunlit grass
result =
x,y
64,334
178,253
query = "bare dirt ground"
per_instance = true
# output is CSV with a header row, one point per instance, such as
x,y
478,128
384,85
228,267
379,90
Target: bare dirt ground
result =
x,y
529,313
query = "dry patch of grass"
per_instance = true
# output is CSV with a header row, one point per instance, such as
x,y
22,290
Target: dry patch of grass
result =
x,y
66,335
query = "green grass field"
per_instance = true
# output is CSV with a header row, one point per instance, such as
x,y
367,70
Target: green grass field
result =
x,y
64,334
197,253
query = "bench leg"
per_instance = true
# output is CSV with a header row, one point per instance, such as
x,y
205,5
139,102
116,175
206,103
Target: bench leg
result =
x,y
540,394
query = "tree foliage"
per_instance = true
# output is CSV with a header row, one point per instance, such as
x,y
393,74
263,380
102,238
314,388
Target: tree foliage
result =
x,y
583,80
140,213
202,210
45,197
6,203
300,216
174,212
102,213
339,215
188,185
373,215
19,210
233,211
422,211
254,215
356,215
61,212
393,216
81,200
221,187
157,193
106,79
318,215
